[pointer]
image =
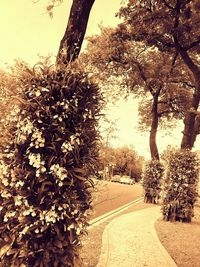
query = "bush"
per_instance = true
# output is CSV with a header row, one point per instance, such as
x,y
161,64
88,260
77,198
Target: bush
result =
x,y
180,189
153,173
45,192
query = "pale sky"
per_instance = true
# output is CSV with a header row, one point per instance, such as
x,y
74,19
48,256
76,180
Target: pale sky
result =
x,y
26,31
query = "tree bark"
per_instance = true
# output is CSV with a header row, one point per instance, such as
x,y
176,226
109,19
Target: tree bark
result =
x,y
71,42
196,130
190,117
189,121
154,128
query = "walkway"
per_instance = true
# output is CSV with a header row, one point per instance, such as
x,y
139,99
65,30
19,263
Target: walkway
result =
x,y
131,241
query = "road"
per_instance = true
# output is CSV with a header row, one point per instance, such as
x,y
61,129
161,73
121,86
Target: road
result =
x,y
109,196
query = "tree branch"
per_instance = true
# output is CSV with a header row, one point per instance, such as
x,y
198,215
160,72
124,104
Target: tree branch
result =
x,y
192,45
183,82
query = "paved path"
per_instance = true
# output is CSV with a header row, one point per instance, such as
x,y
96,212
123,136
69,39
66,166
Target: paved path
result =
x,y
131,241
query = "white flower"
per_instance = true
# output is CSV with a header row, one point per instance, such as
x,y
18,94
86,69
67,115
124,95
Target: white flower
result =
x,y
71,226
5,194
18,200
59,172
66,147
24,231
44,89
37,139
8,215
29,211
37,93
35,160
5,181
19,184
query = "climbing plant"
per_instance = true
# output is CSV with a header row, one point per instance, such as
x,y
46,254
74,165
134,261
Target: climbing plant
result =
x,y
180,188
45,189
152,177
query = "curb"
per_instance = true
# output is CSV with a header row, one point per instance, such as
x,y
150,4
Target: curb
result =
x,y
110,214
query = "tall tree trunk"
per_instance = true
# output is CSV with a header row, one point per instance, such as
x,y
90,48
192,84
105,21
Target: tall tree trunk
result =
x,y
196,130
189,121
154,128
190,117
71,42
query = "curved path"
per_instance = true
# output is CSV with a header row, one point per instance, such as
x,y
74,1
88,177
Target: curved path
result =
x,y
131,241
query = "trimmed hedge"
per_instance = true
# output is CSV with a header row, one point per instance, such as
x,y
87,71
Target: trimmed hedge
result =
x,y
45,192
152,176
180,189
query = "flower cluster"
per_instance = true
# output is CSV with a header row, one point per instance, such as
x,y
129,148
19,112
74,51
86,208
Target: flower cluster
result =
x,y
68,146
24,128
59,172
4,173
36,91
37,139
36,162
65,105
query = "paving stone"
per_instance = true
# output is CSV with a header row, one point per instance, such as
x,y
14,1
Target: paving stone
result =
x,y
131,241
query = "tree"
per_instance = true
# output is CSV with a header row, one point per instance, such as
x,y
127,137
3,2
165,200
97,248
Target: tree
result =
x,y
170,26
108,132
122,161
142,71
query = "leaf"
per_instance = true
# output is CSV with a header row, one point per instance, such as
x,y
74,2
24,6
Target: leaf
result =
x,y
79,177
5,249
79,170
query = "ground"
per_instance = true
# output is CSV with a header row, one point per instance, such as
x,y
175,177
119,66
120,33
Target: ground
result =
x,y
180,239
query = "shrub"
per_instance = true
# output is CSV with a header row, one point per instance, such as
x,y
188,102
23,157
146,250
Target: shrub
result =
x,y
153,173
45,192
180,189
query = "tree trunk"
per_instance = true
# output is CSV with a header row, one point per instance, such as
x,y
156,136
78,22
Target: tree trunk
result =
x,y
189,121
71,42
154,127
196,130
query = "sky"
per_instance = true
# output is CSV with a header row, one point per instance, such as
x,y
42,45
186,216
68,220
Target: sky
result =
x,y
27,30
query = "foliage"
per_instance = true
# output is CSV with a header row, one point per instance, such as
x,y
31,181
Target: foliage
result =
x,y
168,19
122,160
180,189
8,102
142,70
172,27
152,179
45,192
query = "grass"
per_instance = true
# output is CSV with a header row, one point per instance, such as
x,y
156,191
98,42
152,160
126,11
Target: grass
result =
x,y
181,240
